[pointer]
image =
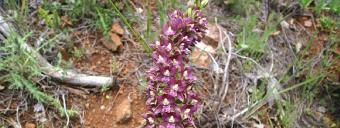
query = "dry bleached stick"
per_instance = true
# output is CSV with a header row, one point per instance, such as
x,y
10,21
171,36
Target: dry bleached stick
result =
x,y
65,76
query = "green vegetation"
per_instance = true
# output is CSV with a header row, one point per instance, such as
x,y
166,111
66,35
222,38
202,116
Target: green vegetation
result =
x,y
327,23
20,66
22,71
305,80
251,41
309,73
78,52
322,5
305,3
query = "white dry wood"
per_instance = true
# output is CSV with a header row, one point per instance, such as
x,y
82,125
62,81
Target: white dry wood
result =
x,y
65,76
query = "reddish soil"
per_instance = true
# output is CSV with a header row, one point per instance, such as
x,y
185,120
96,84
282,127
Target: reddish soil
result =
x,y
119,107
102,111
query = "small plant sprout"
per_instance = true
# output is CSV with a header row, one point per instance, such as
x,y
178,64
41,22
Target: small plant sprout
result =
x,y
171,101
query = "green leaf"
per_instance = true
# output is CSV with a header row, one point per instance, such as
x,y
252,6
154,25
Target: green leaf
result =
x,y
305,3
189,12
204,3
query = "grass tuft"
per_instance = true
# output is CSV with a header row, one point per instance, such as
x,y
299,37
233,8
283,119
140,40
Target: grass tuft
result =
x,y
22,70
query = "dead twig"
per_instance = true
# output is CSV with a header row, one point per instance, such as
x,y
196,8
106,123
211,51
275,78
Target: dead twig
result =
x,y
65,76
65,109
225,76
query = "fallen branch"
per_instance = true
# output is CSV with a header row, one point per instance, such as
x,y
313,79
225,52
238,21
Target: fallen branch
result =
x,y
65,76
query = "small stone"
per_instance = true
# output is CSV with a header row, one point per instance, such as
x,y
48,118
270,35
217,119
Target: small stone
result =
x,y
258,126
117,29
139,10
2,87
93,67
112,44
123,111
308,23
298,46
212,36
102,107
201,58
108,97
30,125
321,109
250,90
318,116
284,24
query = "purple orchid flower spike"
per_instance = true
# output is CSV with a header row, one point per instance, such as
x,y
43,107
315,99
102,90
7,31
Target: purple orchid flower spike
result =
x,y
171,101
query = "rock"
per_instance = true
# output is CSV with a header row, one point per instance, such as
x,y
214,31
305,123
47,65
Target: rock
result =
x,y
108,97
209,44
308,23
87,105
2,87
318,116
284,24
258,126
112,44
116,28
205,47
102,107
39,112
139,10
200,58
322,109
123,111
30,125
212,37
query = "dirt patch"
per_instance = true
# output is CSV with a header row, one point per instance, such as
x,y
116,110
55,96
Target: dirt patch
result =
x,y
105,110
96,59
119,107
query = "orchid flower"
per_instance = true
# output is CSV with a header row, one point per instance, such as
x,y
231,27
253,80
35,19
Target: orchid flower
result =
x,y
171,101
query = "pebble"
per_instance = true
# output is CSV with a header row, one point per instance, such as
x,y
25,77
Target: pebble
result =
x,y
108,97
102,107
124,112
87,105
30,125
308,23
284,24
321,109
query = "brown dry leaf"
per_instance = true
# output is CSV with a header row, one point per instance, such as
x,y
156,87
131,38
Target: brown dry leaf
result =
x,y
114,43
117,29
66,21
